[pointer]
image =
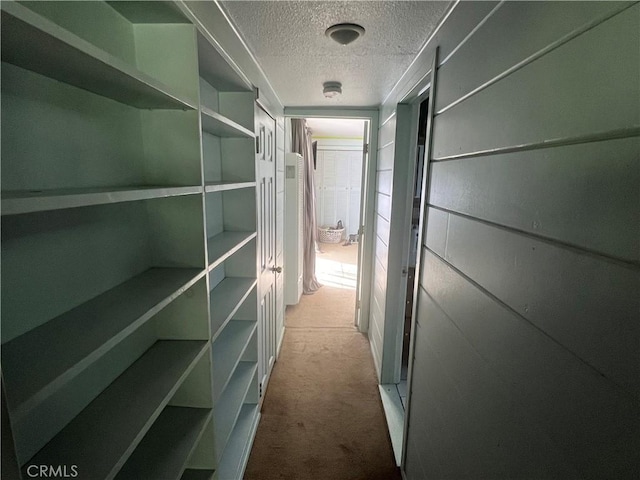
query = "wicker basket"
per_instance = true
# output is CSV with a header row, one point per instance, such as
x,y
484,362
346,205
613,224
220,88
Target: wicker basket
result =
x,y
326,235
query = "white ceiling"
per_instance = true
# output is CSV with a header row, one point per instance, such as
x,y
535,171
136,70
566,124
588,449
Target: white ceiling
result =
x,y
287,39
336,127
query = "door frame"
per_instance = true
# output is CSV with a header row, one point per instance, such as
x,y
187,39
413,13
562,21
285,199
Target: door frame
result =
x,y
365,269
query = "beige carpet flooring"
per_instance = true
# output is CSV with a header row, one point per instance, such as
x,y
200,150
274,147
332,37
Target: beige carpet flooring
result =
x,y
322,418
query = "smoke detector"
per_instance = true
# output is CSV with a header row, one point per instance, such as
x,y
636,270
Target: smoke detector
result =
x,y
331,89
344,33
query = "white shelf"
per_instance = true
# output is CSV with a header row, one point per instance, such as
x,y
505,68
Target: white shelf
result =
x,y
165,449
221,126
236,454
214,68
227,409
226,298
222,246
32,42
29,201
223,186
227,351
195,474
101,438
32,372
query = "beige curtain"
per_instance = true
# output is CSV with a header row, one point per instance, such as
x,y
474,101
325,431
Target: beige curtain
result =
x,y
301,143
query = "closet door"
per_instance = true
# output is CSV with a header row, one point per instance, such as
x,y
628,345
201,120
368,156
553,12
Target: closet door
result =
x,y
267,268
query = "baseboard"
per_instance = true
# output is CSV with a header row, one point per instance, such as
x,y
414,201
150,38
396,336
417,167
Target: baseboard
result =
x,y
280,340
394,414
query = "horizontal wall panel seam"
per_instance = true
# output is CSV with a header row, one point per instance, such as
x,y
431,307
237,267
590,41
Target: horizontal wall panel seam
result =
x,y
386,145
532,58
503,384
555,142
383,242
551,241
388,119
470,34
384,216
619,388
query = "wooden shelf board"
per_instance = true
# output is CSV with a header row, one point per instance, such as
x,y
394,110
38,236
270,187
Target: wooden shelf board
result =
x,y
226,298
227,409
227,351
236,454
101,437
28,201
195,474
222,246
222,186
165,449
214,68
32,42
32,372
221,126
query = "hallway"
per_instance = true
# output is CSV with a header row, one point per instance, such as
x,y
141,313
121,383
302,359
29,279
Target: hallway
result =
x,y
322,417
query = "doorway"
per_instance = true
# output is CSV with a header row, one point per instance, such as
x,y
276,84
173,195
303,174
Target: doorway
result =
x,y
338,174
356,130
413,250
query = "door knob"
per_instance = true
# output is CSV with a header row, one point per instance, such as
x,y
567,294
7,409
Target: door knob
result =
x,y
276,269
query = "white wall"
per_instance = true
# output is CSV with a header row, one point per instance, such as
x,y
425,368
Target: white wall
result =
x,y
527,334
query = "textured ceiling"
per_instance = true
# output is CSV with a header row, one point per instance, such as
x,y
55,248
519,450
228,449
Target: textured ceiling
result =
x,y
288,41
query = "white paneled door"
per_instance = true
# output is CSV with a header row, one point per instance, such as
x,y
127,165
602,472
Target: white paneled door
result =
x,y
268,271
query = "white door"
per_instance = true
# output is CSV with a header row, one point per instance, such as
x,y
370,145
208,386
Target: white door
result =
x,y
267,268
363,209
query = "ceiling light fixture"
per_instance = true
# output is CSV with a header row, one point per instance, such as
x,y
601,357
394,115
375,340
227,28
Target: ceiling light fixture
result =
x,y
344,33
331,89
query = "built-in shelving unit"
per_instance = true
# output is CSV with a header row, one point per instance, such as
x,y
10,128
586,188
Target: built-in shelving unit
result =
x,y
165,449
227,114
227,352
122,412
104,320
239,444
75,61
129,242
228,406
